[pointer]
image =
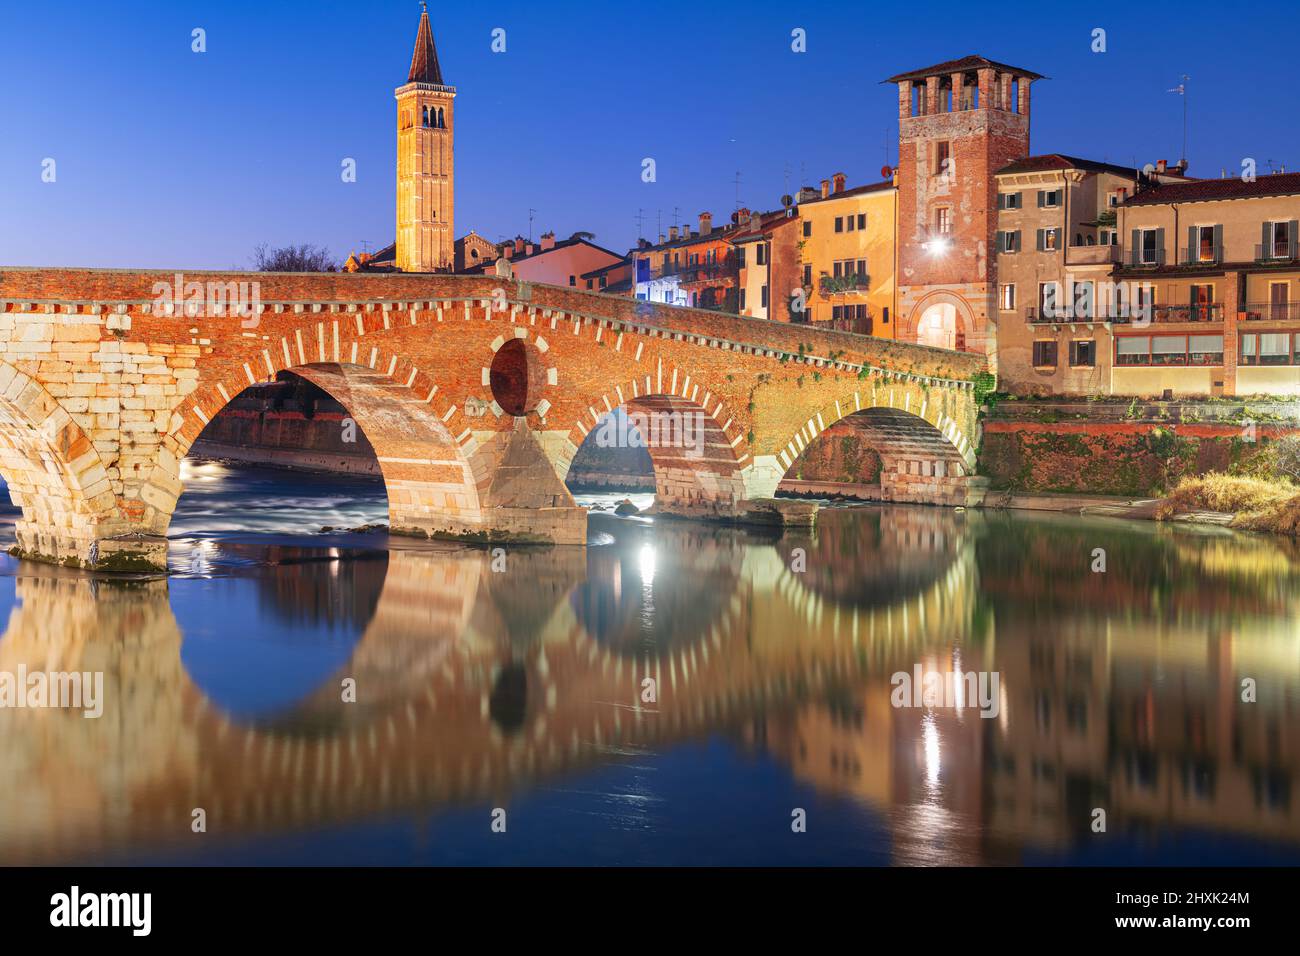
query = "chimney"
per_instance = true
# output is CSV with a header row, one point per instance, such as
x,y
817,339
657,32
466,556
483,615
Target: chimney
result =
x,y
519,244
1162,165
548,241
826,188
706,223
672,233
839,182
1181,166
508,250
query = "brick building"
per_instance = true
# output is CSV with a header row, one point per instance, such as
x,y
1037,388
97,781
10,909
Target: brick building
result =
x,y
959,122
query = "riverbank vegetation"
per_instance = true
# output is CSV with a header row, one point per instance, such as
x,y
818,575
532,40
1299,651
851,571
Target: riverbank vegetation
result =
x,y
1266,500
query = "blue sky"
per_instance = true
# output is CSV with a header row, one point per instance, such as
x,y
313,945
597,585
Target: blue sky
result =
x,y
167,157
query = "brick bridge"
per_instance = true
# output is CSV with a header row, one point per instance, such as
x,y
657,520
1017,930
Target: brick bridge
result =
x,y
474,391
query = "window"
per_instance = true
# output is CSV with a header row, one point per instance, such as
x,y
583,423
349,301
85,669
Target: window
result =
x,y
1266,348
1047,300
1133,350
807,228
1049,200
862,267
1149,246
943,221
942,153
1008,242
1205,350
1044,355
573,280
765,297
852,223
1007,298
742,300
1083,353
1168,350
839,223
1084,307
1205,245
1049,240
589,281
760,254
807,275
1202,303
1009,200
740,257
1277,241
862,220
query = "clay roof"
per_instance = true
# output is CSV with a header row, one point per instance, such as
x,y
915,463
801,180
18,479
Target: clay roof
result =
x,y
1204,190
855,191
424,61
972,62
1049,161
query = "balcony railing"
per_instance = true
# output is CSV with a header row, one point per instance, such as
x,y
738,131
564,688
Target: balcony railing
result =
x,y
1272,311
1275,252
1205,312
1148,260
1200,256
1201,312
842,285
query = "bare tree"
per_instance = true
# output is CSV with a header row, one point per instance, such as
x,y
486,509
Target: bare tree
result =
x,y
301,258
583,234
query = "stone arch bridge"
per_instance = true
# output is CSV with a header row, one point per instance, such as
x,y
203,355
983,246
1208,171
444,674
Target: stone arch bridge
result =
x,y
475,392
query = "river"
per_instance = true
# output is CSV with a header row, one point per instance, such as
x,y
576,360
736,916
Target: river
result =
x,y
675,693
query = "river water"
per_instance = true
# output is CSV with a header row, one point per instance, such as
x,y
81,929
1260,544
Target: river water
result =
x,y
673,694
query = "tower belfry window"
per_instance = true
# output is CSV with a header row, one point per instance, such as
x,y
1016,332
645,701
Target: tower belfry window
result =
x,y
441,123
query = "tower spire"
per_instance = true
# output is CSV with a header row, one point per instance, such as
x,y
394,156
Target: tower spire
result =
x,y
424,61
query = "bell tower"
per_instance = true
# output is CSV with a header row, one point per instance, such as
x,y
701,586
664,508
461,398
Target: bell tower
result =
x,y
425,169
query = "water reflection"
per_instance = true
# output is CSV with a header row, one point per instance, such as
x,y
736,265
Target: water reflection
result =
x,y
524,688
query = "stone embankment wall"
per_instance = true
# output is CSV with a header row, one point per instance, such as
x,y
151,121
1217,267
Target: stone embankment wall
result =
x,y
1129,448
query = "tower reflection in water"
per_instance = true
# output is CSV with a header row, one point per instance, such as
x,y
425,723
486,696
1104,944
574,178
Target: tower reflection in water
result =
x,y
771,689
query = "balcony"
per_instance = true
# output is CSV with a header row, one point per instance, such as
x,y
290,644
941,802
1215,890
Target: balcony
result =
x,y
1272,311
1201,312
1201,256
1091,255
1275,252
854,282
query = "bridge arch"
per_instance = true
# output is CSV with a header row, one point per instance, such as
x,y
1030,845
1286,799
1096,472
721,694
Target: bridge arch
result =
x,y
54,474
427,470
925,452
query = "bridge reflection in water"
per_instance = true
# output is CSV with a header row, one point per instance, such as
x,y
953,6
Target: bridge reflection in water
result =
x,y
478,689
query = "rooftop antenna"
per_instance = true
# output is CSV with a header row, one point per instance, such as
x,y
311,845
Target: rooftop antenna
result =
x,y
786,180
531,213
1181,90
676,213
640,220
737,182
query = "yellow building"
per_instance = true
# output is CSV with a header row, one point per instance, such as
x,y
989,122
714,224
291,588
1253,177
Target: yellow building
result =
x,y
847,256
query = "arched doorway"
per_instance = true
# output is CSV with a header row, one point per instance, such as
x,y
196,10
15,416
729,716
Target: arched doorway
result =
x,y
939,328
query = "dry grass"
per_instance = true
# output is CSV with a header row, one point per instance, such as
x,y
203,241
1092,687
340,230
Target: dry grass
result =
x,y
1259,505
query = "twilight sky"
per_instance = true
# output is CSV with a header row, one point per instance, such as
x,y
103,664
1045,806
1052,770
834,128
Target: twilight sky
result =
x,y
165,157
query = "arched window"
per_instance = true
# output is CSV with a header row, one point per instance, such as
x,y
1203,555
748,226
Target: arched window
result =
x,y
424,115
441,124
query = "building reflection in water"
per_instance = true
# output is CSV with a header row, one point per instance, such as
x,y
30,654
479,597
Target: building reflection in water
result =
x,y
1119,690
